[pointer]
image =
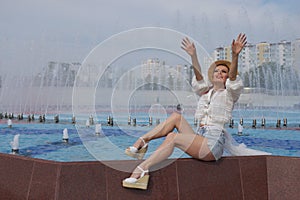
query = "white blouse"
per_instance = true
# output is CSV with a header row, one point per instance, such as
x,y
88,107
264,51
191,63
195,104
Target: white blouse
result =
x,y
216,109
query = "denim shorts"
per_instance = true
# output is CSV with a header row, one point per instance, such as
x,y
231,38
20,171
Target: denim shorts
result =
x,y
215,139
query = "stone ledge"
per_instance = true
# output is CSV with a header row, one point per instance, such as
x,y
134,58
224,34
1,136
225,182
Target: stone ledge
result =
x,y
251,177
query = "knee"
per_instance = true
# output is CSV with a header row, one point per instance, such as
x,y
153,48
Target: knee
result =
x,y
176,116
171,137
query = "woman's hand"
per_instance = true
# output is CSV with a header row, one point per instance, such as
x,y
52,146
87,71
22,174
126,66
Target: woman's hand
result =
x,y
236,47
188,46
238,44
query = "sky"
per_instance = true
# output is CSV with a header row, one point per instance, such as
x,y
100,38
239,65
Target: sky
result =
x,y
34,32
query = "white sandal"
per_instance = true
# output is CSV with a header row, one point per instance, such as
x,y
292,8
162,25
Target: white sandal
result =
x,y
137,153
138,183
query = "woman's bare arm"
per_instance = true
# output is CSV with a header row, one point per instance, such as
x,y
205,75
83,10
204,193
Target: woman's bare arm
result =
x,y
190,48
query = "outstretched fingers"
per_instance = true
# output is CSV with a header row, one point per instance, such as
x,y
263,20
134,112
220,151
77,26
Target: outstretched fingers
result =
x,y
238,44
233,41
188,46
186,40
185,43
242,38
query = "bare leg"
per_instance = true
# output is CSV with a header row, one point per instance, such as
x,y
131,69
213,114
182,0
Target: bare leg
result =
x,y
192,144
175,120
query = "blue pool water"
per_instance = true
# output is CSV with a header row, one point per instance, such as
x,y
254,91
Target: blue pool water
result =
x,y
44,140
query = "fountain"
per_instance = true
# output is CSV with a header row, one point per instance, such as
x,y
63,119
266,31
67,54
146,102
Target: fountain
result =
x,y
110,121
278,123
150,121
231,123
240,129
140,85
134,121
147,93
9,123
98,129
56,118
73,119
87,123
20,116
254,123
129,120
65,136
91,120
263,122
15,144
42,118
285,122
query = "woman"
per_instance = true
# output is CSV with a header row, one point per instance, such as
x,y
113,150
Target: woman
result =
x,y
217,97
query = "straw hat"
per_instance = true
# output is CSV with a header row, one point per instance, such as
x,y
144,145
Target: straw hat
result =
x,y
214,65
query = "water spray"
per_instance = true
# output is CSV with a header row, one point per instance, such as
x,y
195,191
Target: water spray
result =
x,y
15,144
98,129
9,123
65,137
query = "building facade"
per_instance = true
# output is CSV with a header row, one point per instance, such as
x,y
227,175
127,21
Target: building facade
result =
x,y
283,53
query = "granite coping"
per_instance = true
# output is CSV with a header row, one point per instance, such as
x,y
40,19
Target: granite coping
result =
x,y
243,177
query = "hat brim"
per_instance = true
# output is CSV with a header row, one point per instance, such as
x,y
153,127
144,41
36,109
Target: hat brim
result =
x,y
214,65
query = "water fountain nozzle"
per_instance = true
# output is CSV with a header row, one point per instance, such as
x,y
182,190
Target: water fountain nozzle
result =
x,y
231,123
254,123
98,129
134,121
65,137
9,123
150,121
15,144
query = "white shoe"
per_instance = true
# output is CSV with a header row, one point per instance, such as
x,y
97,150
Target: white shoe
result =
x,y
137,153
137,183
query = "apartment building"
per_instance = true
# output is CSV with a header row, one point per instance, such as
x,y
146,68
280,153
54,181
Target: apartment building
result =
x,y
284,53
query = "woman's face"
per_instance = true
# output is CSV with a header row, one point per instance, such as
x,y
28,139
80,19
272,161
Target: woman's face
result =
x,y
220,74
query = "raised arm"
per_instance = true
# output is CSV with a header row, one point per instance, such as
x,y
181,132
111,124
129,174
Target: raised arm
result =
x,y
190,48
236,47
